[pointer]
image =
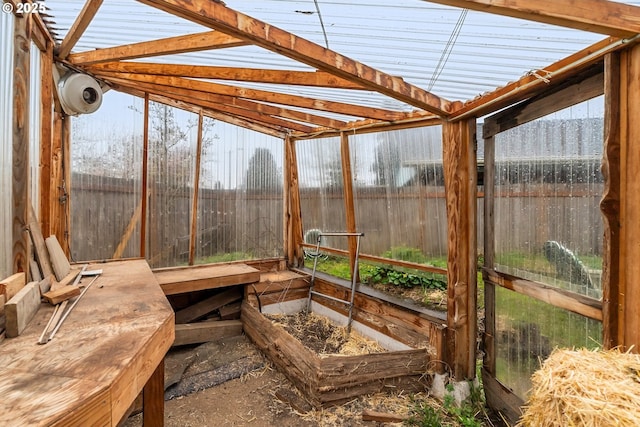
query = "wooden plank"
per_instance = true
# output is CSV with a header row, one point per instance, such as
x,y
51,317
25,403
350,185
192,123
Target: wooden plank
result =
x,y
145,179
11,285
288,77
217,16
46,140
168,46
611,18
501,399
610,203
382,417
230,311
193,233
279,281
67,280
258,300
543,105
292,225
577,303
153,399
20,309
45,284
34,270
39,246
194,333
628,292
349,205
211,277
78,28
353,110
208,305
59,261
20,166
62,294
460,172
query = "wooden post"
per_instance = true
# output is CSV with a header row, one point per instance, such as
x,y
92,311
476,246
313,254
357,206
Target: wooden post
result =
x,y
56,177
293,216
153,399
145,178
621,202
46,134
349,207
460,193
20,151
489,362
610,203
196,189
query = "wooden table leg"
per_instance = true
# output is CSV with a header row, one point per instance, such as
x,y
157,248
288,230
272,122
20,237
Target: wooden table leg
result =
x,y
153,399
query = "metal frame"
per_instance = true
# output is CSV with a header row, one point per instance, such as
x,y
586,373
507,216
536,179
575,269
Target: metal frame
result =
x,y
353,274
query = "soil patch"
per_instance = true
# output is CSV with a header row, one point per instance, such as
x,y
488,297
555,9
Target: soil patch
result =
x,y
318,334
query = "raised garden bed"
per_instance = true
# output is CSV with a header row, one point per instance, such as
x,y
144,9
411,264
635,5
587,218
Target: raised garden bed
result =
x,y
330,379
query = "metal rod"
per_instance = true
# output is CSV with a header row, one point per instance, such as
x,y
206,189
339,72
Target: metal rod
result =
x,y
339,233
66,314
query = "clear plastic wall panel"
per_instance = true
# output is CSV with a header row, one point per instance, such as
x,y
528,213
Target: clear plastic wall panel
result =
x,y
172,153
6,142
240,198
548,188
399,193
106,186
527,330
35,96
321,190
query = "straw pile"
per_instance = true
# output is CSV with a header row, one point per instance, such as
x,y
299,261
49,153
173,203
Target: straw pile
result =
x,y
585,388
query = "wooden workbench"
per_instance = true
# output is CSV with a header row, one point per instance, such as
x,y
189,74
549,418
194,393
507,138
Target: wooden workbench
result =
x,y
110,347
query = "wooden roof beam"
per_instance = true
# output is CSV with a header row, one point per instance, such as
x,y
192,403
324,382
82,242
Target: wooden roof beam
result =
x,y
214,106
232,101
217,16
264,96
167,46
254,75
596,16
78,28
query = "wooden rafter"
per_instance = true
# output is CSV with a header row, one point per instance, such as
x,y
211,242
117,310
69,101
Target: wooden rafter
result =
x,y
187,97
530,84
217,16
261,95
172,45
596,16
79,26
287,77
226,100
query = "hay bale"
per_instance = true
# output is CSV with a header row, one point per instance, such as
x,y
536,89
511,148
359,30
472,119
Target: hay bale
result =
x,y
585,388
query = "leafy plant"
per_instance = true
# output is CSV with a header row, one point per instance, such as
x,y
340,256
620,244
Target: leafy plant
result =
x,y
404,279
466,413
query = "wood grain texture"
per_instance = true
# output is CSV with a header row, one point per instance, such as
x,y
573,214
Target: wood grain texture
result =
x,y
20,166
78,27
211,277
61,294
46,140
349,204
460,192
39,246
194,333
610,202
11,285
204,307
99,360
59,261
153,399
20,309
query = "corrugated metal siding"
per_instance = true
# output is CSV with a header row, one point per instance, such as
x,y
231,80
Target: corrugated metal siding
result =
x,y
6,110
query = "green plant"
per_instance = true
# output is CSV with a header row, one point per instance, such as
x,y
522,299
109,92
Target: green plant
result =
x,y
466,414
404,279
405,253
423,415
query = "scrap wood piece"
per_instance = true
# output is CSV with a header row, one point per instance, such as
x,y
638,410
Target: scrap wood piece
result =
x,y
45,284
230,311
382,417
67,280
194,333
20,309
62,294
12,284
39,245
61,266
208,305
34,270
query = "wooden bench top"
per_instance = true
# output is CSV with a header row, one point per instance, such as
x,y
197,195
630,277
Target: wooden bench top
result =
x,y
189,279
100,359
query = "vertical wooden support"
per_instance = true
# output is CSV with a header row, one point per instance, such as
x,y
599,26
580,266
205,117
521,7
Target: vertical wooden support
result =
x,y
293,213
610,203
145,178
196,190
153,399
46,133
460,192
64,227
20,151
57,178
489,362
349,206
621,202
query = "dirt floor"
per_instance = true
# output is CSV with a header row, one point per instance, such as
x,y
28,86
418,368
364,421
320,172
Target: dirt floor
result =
x,y
206,395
